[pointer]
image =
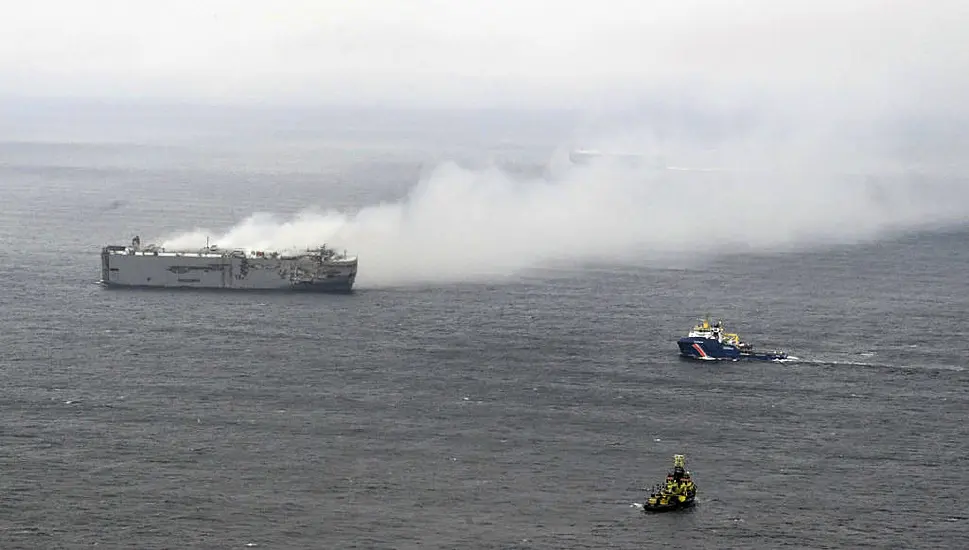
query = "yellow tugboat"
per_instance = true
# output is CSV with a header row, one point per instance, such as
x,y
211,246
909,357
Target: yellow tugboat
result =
x,y
678,492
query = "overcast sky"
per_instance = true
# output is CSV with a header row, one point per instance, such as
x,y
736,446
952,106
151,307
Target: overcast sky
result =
x,y
887,54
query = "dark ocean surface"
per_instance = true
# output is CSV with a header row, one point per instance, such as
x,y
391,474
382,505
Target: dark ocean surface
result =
x,y
523,413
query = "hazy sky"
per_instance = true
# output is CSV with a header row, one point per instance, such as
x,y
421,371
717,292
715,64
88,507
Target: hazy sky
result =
x,y
787,78
883,54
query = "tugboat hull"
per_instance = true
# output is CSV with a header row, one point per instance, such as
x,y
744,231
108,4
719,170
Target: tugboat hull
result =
x,y
670,506
710,349
707,349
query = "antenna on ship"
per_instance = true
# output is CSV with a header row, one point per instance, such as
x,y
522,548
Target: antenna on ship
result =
x,y
206,242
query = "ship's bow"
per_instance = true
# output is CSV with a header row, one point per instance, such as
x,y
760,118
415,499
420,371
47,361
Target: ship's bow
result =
x,y
690,348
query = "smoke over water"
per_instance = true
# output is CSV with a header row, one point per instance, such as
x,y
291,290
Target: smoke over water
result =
x,y
459,224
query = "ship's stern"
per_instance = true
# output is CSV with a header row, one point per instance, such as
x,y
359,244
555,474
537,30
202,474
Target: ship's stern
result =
x,y
105,265
106,269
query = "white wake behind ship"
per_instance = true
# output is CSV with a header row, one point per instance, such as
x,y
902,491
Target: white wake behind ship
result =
x,y
319,270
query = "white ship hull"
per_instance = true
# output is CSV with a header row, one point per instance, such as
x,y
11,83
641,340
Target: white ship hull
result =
x,y
131,266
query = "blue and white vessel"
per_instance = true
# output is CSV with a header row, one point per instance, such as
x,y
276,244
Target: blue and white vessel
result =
x,y
708,342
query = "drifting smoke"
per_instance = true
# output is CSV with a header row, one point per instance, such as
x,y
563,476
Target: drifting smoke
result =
x,y
459,224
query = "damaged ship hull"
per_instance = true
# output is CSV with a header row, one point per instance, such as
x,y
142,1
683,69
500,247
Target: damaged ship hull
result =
x,y
319,270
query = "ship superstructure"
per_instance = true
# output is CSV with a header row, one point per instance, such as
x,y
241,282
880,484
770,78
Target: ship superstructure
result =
x,y
320,269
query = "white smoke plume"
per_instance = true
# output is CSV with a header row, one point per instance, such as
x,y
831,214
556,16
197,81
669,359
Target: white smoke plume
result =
x,y
459,224
823,62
